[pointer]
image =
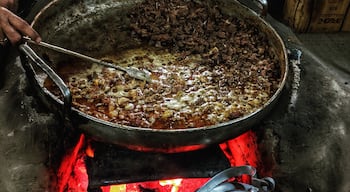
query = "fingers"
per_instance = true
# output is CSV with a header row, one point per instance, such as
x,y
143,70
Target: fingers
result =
x,y
2,18
11,5
23,28
15,27
8,31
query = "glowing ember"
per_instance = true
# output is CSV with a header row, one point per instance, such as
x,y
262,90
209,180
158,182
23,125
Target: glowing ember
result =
x,y
72,174
242,150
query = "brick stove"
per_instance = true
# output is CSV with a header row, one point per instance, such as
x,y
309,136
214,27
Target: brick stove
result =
x,y
300,144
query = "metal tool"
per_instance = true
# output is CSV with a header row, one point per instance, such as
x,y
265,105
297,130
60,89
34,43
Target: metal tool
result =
x,y
220,182
132,71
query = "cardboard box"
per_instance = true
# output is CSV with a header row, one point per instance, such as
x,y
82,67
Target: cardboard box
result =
x,y
316,15
329,16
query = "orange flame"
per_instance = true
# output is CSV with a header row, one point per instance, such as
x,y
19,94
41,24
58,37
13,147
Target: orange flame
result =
x,y
171,185
175,183
89,151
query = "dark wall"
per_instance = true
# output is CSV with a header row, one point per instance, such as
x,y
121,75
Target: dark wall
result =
x,y
276,8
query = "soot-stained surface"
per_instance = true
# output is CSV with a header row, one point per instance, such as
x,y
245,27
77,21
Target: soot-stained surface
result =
x,y
312,138
24,133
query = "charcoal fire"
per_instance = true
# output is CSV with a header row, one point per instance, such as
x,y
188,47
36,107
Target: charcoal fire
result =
x,y
84,159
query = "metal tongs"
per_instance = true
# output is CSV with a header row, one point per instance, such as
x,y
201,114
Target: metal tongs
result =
x,y
221,181
132,71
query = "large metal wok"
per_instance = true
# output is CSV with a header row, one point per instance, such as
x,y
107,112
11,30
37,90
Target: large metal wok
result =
x,y
95,28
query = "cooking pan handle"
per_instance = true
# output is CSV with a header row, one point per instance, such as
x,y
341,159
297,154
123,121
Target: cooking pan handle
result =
x,y
67,97
264,7
261,4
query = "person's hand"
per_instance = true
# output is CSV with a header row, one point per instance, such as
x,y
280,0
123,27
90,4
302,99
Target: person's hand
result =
x,y
11,5
13,28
